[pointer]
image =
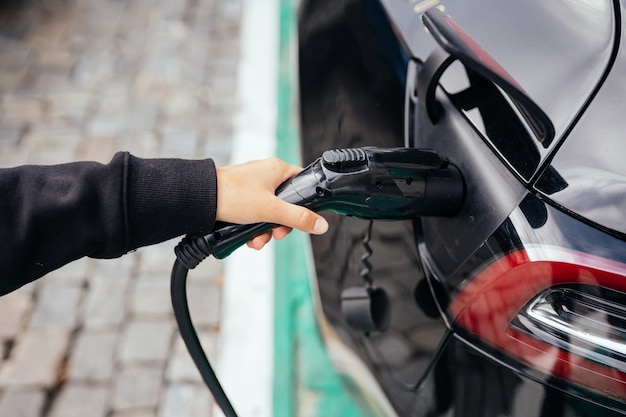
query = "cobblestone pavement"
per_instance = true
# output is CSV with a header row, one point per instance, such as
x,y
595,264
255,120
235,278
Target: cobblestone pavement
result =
x,y
80,80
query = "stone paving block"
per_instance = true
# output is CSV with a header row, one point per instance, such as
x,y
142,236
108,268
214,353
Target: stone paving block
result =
x,y
14,54
143,116
137,387
222,86
204,303
205,7
105,304
106,124
81,401
29,288
194,74
27,86
112,99
93,356
72,105
230,10
54,83
181,116
57,307
131,46
137,14
145,340
163,67
210,270
157,258
72,273
142,143
205,96
51,155
165,46
149,86
92,68
172,10
218,128
98,148
187,124
45,136
8,80
22,403
52,31
13,158
59,60
113,270
22,107
11,135
187,400
181,368
35,359
219,150
151,295
180,143
13,309
181,103
136,413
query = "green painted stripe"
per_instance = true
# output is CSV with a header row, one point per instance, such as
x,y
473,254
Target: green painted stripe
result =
x,y
305,382
284,320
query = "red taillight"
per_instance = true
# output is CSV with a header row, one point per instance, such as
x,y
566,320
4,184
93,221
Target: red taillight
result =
x,y
507,306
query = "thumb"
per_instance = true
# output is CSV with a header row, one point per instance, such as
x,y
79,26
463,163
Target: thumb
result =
x,y
300,218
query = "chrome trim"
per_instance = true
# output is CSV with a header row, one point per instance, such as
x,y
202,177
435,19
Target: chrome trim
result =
x,y
589,326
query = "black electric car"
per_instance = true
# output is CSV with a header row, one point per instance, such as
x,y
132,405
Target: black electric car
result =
x,y
515,304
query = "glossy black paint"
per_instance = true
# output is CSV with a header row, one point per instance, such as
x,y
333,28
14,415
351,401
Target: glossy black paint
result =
x,y
558,51
467,381
492,191
591,160
353,94
532,224
456,44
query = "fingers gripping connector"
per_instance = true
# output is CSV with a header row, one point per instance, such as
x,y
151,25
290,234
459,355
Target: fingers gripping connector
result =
x,y
192,250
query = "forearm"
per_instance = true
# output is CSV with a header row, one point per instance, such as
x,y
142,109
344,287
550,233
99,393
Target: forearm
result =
x,y
52,215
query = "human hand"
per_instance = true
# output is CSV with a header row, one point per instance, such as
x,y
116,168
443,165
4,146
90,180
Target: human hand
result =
x,y
246,194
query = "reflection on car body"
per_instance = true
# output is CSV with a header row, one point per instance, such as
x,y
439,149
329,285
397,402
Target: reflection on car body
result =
x,y
515,305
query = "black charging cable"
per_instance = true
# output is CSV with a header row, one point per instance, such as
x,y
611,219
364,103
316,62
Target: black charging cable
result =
x,y
189,253
400,183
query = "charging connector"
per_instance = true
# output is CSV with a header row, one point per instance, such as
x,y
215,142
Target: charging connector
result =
x,y
368,183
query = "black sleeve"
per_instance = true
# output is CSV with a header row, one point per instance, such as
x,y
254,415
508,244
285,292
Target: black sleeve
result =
x,y
52,215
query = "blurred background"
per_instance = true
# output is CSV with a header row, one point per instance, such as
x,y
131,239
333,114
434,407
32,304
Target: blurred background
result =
x,y
80,80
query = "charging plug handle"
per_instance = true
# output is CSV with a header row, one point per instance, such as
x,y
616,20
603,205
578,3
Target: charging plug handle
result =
x,y
368,183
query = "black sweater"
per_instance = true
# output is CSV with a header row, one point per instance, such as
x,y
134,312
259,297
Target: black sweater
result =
x,y
52,215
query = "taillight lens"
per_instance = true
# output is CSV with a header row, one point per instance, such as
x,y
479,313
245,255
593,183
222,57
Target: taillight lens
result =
x,y
559,311
590,326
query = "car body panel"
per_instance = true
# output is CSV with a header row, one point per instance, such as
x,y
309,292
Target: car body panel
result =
x,y
432,361
591,160
559,51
